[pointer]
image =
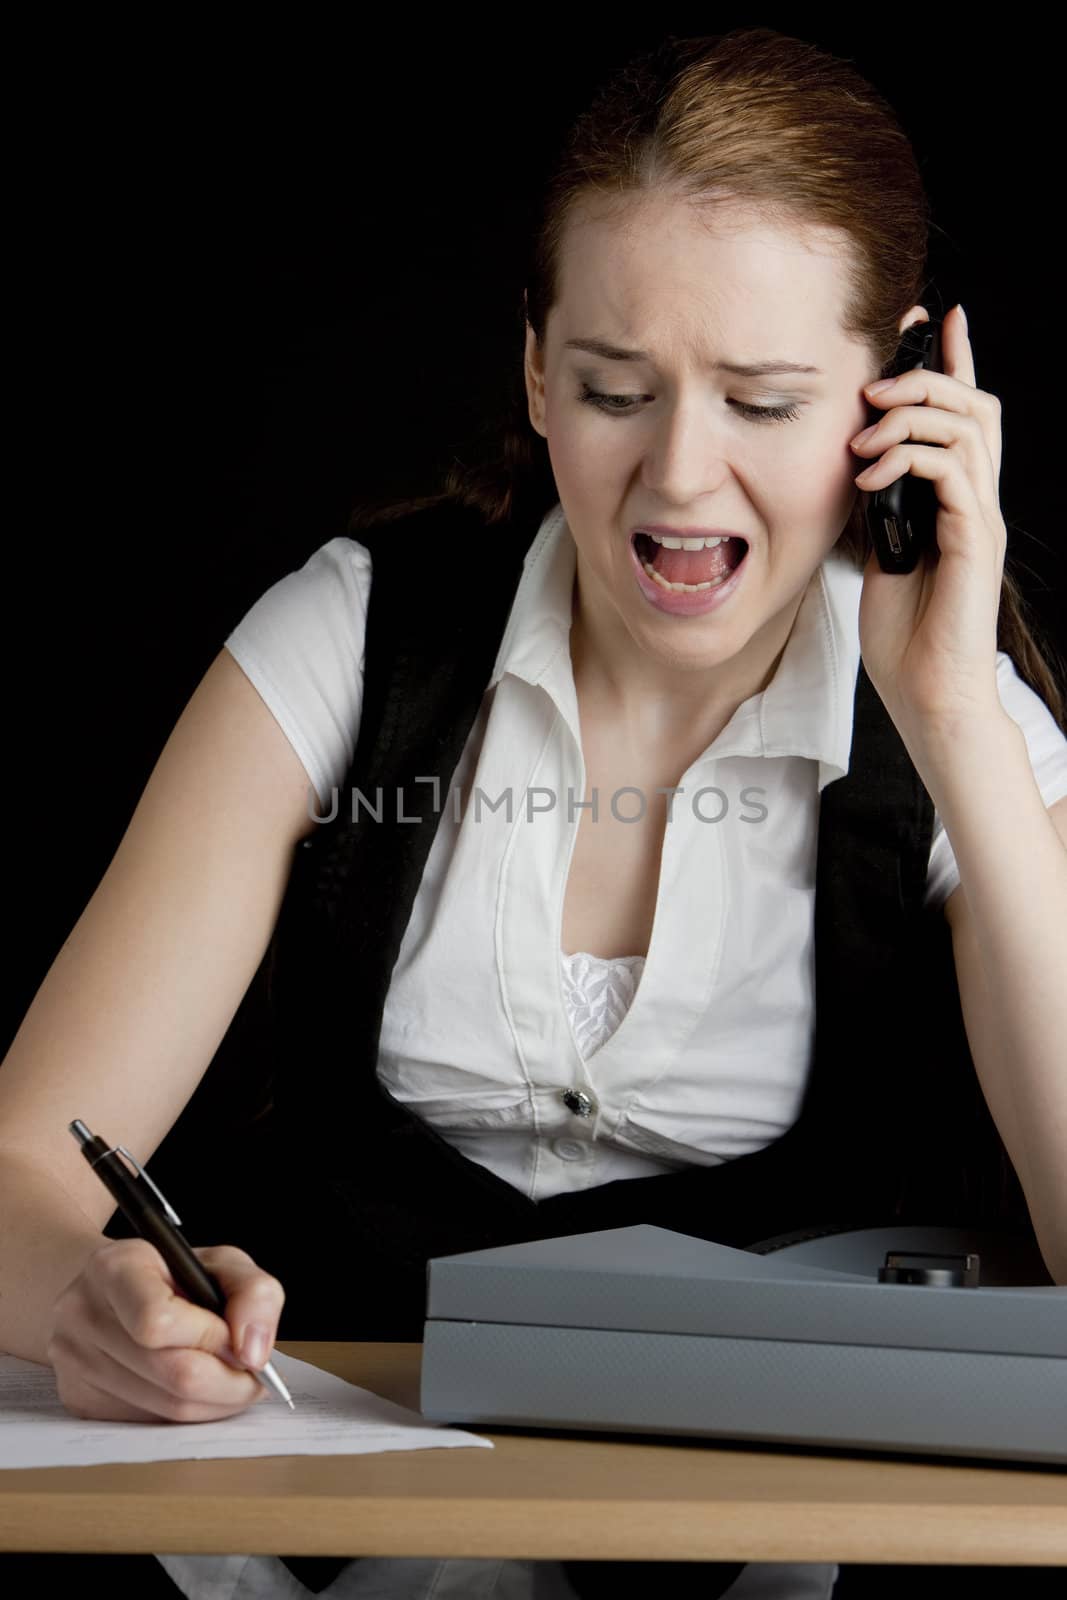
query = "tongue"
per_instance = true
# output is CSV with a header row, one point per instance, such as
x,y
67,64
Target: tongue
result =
x,y
697,566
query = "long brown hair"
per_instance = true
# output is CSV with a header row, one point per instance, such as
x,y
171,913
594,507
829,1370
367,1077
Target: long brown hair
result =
x,y
797,134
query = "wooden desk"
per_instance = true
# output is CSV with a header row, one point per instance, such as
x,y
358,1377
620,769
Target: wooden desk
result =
x,y
541,1496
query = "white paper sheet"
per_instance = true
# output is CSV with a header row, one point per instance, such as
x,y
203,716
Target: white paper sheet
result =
x,y
331,1418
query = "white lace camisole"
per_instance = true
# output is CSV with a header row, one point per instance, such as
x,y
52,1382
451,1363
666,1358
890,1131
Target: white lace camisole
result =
x,y
598,992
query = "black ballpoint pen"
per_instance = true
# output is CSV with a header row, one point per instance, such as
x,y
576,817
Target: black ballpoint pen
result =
x,y
157,1221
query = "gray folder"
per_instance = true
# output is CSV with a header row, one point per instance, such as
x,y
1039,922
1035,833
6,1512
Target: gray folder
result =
x,y
643,1330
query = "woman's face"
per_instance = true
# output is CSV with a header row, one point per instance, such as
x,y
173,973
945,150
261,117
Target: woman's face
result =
x,y
684,442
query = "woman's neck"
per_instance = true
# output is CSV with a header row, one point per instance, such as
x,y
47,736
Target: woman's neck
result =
x,y
654,704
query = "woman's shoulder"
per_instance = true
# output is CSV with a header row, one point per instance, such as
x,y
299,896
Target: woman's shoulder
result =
x,y
302,645
344,562
333,582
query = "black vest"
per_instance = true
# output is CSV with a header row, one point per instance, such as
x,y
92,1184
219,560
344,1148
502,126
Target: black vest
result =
x,y
358,1193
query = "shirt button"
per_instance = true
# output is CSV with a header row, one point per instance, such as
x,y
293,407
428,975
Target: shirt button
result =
x,y
579,1102
570,1149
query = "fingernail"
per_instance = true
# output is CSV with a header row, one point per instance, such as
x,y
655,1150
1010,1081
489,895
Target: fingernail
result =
x,y
963,317
883,383
255,1344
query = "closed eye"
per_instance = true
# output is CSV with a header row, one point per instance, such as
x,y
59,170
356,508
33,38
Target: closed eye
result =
x,y
620,404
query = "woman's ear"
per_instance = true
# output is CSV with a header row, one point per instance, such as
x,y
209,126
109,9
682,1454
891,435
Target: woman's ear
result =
x,y
916,314
534,373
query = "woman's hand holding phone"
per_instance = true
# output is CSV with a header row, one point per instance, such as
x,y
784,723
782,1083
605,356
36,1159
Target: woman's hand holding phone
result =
x,y
126,1346
928,637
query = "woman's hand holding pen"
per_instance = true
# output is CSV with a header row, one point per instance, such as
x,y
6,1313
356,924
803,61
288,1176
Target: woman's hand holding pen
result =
x,y
126,1346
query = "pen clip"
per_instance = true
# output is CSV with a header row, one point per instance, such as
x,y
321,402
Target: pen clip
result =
x,y
120,1149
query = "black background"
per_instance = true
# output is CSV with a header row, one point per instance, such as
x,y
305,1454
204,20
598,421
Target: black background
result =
x,y
265,274
262,271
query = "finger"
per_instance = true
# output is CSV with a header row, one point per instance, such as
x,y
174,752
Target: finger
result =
x,y
254,1300
188,1389
963,478
924,385
172,1373
957,356
135,1285
918,412
962,367
965,435
83,1398
924,424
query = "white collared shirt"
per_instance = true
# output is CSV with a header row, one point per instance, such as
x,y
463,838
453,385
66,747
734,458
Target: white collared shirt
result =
x,y
484,1033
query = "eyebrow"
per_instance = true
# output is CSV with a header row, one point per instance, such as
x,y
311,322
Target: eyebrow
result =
x,y
752,369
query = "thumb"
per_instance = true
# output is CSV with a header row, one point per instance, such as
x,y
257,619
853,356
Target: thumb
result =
x,y
247,1328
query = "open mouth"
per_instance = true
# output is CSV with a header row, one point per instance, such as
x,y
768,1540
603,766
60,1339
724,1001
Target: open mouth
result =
x,y
689,570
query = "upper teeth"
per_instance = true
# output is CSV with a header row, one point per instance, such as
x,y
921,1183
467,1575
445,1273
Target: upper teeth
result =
x,y
687,544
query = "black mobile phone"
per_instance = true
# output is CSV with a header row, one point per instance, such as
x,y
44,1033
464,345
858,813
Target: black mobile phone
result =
x,y
902,518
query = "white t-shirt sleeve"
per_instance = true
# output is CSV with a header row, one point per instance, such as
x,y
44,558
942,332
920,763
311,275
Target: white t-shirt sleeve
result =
x,y
1047,747
302,646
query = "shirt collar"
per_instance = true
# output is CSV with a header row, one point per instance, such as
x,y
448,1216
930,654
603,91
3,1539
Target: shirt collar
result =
x,y
806,710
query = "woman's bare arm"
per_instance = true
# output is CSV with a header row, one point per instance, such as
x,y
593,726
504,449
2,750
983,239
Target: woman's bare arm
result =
x,y
134,1007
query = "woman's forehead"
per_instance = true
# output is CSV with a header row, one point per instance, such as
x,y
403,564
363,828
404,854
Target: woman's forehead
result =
x,y
671,258
644,312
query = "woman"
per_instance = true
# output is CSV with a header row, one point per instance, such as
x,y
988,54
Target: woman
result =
x,y
725,204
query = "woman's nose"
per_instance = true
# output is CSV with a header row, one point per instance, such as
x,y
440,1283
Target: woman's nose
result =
x,y
687,456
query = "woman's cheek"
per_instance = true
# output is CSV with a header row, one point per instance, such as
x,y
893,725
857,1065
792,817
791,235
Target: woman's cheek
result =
x,y
580,456
838,475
